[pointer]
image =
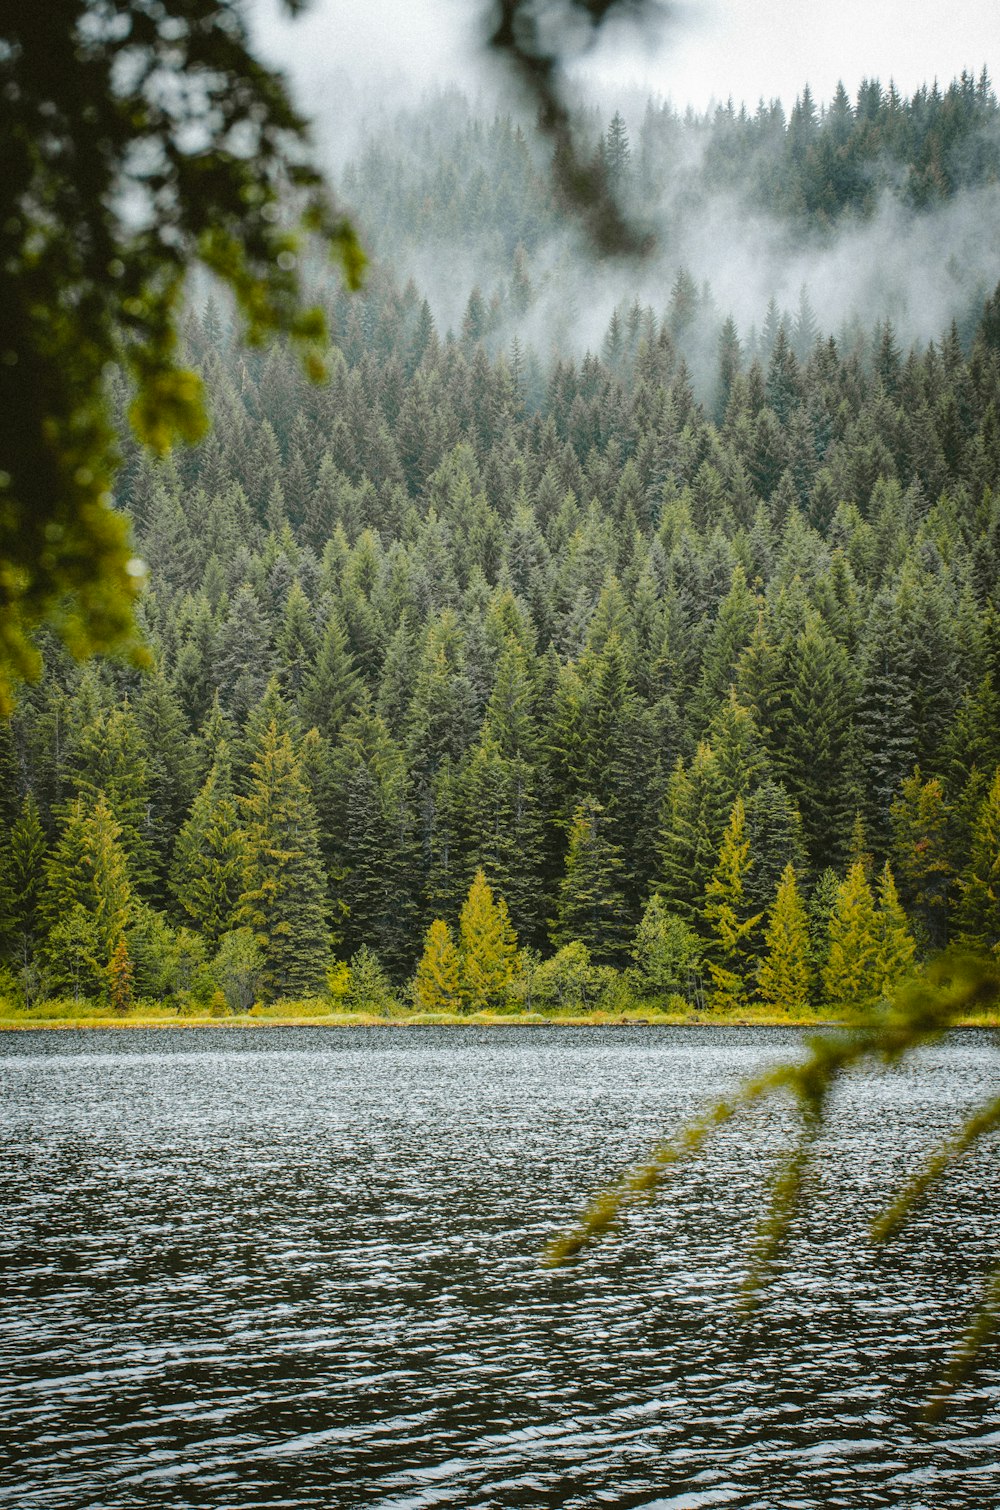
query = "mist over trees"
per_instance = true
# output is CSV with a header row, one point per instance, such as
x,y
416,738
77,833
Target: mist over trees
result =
x,y
536,672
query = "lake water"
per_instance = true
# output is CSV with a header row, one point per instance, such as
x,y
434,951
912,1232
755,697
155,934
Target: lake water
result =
x,y
299,1267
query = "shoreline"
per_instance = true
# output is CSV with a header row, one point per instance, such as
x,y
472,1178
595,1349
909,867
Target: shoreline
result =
x,y
105,1022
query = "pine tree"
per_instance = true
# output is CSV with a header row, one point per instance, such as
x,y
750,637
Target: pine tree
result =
x,y
591,906
784,976
667,953
920,820
728,918
694,819
170,779
331,690
487,946
979,884
284,892
209,861
436,986
21,877
896,947
87,901
110,759
851,971
120,978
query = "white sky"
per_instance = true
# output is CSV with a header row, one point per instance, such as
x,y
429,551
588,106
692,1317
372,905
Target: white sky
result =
x,y
711,50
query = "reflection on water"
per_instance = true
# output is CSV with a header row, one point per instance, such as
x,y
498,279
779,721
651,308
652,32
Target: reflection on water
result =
x,y
299,1267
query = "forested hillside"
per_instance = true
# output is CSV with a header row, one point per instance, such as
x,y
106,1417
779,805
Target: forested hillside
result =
x,y
525,664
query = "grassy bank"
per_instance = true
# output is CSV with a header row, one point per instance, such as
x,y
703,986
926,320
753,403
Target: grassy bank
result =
x,y
60,1014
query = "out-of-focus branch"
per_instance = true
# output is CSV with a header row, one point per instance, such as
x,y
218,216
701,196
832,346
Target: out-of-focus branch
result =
x,y
534,40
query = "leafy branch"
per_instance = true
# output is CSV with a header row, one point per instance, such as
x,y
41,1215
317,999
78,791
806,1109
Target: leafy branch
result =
x,y
951,989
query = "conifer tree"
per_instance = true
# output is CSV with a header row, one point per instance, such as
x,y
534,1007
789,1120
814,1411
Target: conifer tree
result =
x,y
919,817
979,884
209,861
694,820
784,975
170,780
667,953
120,978
487,946
591,906
284,894
110,759
436,986
728,918
87,901
502,830
896,947
21,878
851,971
331,689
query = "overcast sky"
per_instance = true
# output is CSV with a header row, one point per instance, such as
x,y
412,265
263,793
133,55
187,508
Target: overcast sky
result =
x,y
712,50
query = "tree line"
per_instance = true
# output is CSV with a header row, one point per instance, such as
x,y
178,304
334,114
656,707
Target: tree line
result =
x,y
702,683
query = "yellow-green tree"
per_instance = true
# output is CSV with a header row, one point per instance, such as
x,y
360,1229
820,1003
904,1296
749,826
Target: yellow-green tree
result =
x,y
784,976
488,946
436,986
851,971
896,946
726,913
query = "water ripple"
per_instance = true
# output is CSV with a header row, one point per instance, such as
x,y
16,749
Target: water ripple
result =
x,y
300,1268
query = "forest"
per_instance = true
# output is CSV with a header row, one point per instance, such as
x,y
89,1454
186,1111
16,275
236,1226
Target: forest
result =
x,y
500,671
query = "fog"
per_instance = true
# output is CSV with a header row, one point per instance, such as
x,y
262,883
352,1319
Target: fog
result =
x,y
355,67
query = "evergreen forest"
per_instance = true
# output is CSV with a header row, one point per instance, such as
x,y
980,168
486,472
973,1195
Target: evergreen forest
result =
x,y
507,669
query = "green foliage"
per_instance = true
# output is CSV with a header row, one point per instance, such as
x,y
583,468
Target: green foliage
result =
x,y
979,906
667,953
436,986
591,908
728,917
851,970
97,276
369,988
567,980
120,977
239,967
284,895
87,901
784,975
487,947
209,860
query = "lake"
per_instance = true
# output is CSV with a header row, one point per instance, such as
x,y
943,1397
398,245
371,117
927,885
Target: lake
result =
x,y
300,1267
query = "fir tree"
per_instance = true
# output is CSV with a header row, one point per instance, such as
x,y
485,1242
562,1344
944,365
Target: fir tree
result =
x,y
487,946
21,878
920,818
979,883
896,947
284,894
784,976
209,860
591,905
87,901
436,986
120,976
667,953
728,918
851,971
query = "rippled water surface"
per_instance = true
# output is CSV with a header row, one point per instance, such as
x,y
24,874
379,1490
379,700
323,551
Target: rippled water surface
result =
x,y
299,1267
